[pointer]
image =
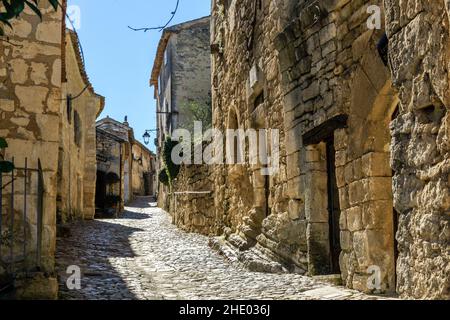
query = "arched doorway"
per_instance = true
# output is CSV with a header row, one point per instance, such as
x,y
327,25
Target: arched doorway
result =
x,y
368,225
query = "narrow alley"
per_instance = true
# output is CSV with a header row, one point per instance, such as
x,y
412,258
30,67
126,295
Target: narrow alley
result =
x,y
141,255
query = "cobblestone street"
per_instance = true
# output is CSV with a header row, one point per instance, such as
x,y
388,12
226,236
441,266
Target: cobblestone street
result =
x,y
143,256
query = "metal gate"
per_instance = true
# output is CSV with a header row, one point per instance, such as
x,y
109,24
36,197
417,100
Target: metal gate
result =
x,y
21,223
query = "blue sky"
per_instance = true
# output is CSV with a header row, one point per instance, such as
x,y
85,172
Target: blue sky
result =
x,y
119,60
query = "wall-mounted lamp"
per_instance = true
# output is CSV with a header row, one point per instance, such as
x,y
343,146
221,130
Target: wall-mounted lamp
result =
x,y
147,135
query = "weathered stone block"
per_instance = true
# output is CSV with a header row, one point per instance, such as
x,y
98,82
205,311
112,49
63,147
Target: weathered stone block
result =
x,y
340,177
38,73
354,218
293,162
49,127
292,99
293,140
348,173
296,210
344,200
21,28
328,33
311,92
19,71
294,188
377,214
49,31
341,158
7,105
32,98
378,188
346,240
376,164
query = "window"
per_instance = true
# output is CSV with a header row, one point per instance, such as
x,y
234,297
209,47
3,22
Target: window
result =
x,y
77,129
166,57
69,108
160,83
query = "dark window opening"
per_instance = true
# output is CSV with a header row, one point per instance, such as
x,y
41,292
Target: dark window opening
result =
x,y
77,129
69,108
383,49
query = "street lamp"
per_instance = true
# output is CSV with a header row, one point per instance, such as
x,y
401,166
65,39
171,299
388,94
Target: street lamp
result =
x,y
147,136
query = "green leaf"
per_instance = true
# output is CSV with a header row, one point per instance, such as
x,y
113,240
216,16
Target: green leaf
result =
x,y
17,7
6,166
34,8
54,3
5,20
3,143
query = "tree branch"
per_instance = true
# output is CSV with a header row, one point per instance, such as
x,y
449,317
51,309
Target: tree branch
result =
x,y
161,28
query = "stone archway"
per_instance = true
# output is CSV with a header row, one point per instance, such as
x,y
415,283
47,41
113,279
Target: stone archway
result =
x,y
364,173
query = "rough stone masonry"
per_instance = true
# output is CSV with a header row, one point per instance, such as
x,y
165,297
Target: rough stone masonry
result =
x,y
30,100
363,183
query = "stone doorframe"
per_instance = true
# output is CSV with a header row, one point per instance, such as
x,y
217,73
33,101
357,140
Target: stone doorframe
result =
x,y
316,194
365,187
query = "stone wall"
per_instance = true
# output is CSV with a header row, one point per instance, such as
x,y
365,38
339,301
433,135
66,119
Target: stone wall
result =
x,y
143,171
30,93
242,38
182,79
332,68
77,153
326,88
192,204
418,32
190,72
124,134
110,154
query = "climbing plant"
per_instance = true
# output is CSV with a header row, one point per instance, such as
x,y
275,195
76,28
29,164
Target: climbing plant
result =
x,y
163,177
11,9
171,168
5,166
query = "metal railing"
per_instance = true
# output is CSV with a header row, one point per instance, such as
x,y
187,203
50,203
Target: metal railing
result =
x,y
21,222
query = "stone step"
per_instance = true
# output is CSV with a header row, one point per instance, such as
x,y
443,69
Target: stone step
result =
x,y
251,259
334,279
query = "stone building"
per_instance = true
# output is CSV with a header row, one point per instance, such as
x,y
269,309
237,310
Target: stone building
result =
x,y
181,78
144,170
114,165
77,151
30,102
181,73
48,111
362,190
